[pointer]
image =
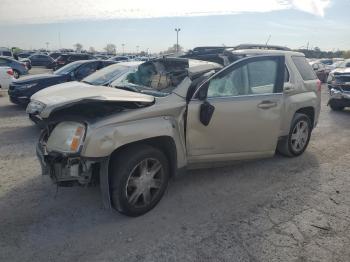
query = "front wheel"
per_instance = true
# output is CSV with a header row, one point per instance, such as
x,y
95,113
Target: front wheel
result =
x,y
298,138
139,178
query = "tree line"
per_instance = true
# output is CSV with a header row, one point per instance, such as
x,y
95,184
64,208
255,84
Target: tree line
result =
x,y
318,53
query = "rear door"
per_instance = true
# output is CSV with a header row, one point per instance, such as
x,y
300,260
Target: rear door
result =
x,y
245,102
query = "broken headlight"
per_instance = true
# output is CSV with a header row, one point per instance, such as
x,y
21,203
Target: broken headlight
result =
x,y
66,137
35,107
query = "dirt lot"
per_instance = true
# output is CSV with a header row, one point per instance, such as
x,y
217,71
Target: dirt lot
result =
x,y
278,209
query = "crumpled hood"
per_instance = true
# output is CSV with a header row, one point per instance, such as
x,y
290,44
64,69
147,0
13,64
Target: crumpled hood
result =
x,y
34,78
74,92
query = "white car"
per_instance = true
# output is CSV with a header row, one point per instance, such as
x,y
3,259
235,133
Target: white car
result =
x,y
6,77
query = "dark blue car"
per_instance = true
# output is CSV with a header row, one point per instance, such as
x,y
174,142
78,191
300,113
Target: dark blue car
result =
x,y
41,60
22,89
19,68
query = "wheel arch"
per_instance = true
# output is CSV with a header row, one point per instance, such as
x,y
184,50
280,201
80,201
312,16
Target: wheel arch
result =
x,y
165,144
308,111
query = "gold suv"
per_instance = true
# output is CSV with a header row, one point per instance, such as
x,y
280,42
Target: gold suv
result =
x,y
174,113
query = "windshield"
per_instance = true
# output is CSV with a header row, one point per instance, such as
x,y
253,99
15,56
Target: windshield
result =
x,y
108,74
68,68
155,78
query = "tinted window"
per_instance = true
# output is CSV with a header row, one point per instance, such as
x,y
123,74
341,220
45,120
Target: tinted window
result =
x,y
68,68
257,77
305,70
85,70
6,53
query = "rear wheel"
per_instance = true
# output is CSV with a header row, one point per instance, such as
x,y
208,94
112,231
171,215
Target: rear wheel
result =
x,y
298,138
139,178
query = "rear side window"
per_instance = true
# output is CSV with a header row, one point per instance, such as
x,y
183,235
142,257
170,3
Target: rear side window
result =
x,y
305,70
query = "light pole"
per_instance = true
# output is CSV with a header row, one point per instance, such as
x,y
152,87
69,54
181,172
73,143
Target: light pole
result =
x,y
47,46
137,49
177,30
123,45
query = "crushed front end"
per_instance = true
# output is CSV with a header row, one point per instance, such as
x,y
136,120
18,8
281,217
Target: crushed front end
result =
x,y
339,90
58,150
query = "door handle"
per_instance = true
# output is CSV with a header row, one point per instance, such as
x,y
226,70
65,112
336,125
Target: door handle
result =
x,y
267,104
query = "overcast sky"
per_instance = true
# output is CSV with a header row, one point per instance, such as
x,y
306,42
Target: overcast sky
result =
x,y
150,24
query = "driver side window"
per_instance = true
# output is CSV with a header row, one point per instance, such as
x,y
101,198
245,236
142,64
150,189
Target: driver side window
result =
x,y
255,77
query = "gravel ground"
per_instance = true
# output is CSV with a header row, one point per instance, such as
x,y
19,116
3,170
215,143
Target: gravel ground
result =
x,y
278,209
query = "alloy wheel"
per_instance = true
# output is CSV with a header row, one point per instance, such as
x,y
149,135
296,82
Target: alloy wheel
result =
x,y
144,182
300,136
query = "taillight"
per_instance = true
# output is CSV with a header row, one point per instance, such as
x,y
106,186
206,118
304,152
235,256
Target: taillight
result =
x,y
10,72
319,86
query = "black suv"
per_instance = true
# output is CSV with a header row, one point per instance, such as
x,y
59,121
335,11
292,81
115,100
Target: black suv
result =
x,y
65,59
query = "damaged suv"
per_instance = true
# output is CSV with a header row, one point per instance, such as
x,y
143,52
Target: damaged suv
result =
x,y
177,113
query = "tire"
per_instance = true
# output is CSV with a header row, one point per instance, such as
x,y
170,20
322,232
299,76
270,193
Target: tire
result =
x,y
135,191
336,107
16,74
289,145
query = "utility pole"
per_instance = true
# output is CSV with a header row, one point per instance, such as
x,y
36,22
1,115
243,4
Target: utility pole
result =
x,y
177,30
137,49
47,46
59,40
123,45
268,40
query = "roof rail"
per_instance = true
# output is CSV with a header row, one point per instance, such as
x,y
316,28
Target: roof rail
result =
x,y
261,46
202,48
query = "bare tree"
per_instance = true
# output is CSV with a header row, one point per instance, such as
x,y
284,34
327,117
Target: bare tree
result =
x,y
111,49
173,49
78,47
92,49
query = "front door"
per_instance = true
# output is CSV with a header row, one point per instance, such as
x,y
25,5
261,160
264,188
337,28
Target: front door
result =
x,y
245,101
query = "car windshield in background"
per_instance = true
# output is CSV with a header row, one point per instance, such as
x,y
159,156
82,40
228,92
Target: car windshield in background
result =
x,y
106,75
68,68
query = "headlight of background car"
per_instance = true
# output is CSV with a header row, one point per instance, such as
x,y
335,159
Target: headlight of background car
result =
x,y
66,137
35,107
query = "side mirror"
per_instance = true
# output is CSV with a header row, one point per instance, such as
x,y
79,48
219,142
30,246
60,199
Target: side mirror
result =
x,y
206,113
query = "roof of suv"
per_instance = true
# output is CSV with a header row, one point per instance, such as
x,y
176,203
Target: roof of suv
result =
x,y
265,52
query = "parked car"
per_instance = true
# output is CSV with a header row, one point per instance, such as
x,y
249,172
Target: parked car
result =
x,y
326,61
339,86
55,55
321,70
65,59
6,52
6,77
21,90
119,58
41,60
175,113
19,68
101,57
